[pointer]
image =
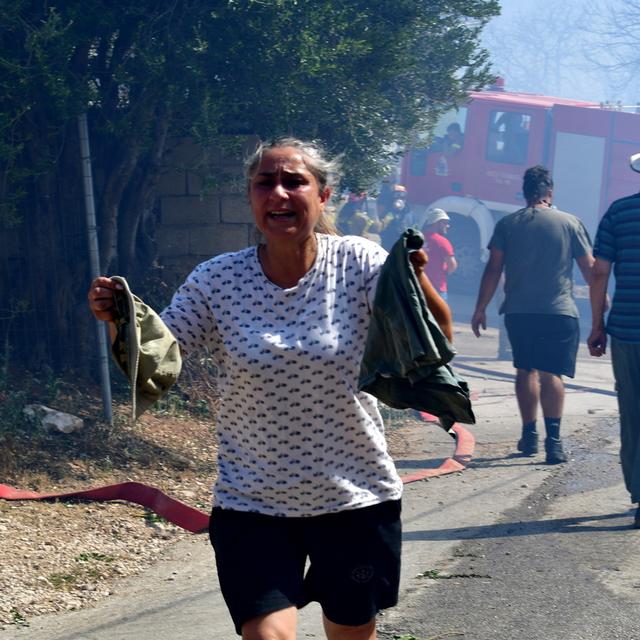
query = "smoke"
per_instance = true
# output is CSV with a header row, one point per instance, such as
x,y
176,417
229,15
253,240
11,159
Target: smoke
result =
x,y
574,49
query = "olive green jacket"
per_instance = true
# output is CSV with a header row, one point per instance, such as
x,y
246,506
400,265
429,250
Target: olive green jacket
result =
x,y
405,362
144,349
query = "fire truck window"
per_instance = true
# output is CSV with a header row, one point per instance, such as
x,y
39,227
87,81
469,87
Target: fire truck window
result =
x,y
453,140
448,135
508,139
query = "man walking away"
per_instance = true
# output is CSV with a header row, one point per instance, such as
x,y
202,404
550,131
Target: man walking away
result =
x,y
536,247
617,242
442,262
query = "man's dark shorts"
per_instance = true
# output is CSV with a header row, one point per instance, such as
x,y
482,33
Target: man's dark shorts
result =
x,y
354,562
544,342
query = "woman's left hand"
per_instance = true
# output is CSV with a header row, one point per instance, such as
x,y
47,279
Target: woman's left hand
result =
x,y
419,260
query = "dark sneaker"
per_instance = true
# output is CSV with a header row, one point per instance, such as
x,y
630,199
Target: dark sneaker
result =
x,y
636,520
528,444
555,453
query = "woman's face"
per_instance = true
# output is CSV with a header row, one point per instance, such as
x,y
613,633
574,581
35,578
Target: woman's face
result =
x,y
285,196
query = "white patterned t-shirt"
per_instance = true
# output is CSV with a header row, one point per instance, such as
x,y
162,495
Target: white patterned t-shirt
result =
x,y
296,437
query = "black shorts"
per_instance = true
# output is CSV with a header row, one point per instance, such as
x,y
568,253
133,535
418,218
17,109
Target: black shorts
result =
x,y
544,342
354,562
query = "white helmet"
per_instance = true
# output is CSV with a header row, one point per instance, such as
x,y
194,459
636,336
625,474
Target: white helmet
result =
x,y
435,215
634,161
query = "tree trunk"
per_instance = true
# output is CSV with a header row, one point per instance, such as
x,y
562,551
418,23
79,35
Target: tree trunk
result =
x,y
108,209
138,203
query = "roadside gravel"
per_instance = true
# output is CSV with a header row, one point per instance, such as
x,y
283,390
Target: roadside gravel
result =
x,y
59,556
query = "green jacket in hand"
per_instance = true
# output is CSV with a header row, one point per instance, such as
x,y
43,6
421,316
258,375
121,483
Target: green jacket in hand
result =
x,y
405,362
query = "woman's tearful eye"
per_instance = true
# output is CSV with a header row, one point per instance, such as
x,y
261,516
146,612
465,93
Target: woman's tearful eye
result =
x,y
293,182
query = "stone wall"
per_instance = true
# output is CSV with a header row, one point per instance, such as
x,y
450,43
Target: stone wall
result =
x,y
198,221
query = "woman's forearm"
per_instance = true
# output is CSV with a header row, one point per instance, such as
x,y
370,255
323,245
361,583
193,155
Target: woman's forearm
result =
x,y
438,307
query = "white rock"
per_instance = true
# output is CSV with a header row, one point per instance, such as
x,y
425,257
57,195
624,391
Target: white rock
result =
x,y
54,420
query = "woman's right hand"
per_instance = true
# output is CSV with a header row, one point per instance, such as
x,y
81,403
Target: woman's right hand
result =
x,y
101,301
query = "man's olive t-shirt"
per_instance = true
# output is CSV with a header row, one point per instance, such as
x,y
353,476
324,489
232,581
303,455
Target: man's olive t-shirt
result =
x,y
540,245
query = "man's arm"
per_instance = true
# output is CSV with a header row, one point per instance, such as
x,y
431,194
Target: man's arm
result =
x,y
488,286
585,264
451,264
600,272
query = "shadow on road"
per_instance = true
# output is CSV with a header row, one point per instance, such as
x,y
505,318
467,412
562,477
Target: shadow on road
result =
x,y
510,376
515,460
515,529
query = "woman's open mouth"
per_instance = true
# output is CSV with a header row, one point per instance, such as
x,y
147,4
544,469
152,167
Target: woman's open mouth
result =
x,y
281,215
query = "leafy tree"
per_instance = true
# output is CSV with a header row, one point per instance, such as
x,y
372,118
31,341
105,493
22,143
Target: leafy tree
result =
x,y
358,75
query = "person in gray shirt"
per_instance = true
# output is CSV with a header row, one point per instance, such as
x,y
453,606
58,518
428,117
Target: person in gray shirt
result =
x,y
536,247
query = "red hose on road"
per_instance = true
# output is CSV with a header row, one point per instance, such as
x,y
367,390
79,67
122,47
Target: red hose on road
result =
x,y
465,446
168,508
197,521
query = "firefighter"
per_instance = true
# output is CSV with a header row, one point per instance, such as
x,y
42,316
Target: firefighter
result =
x,y
354,219
453,140
536,247
395,219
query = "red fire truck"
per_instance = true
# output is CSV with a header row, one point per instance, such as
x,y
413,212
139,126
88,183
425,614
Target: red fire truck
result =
x,y
473,169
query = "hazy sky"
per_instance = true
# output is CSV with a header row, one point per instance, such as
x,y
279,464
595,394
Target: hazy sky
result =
x,y
558,47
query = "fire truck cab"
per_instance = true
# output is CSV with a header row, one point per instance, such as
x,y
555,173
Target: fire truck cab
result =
x,y
473,167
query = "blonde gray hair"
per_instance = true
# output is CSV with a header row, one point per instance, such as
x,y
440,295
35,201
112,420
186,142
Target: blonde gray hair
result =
x,y
326,171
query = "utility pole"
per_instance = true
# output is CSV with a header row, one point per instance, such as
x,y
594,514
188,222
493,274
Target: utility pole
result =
x,y
94,256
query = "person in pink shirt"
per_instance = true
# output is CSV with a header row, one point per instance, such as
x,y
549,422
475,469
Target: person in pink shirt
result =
x,y
442,262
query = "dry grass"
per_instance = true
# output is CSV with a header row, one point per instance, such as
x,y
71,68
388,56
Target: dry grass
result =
x,y
63,556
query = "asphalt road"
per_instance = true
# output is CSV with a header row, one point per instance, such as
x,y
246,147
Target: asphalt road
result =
x,y
509,548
